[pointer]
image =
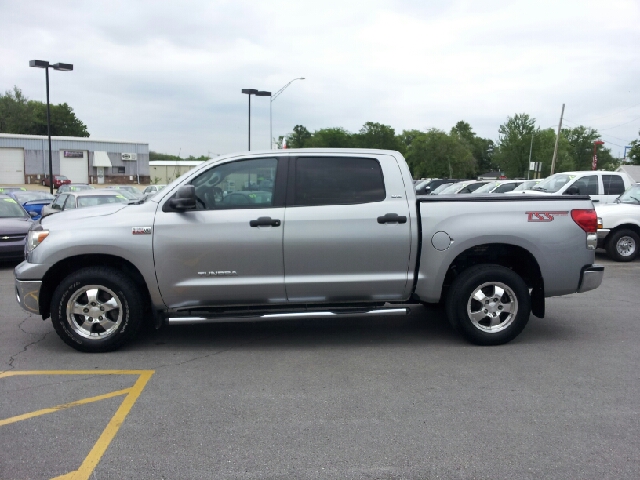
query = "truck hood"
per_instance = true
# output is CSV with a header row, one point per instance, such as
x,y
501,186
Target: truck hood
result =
x,y
618,209
71,216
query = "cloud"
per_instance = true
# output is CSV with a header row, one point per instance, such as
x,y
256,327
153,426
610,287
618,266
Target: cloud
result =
x,y
170,73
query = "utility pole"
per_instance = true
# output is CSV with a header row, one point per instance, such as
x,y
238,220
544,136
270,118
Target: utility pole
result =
x,y
530,150
555,150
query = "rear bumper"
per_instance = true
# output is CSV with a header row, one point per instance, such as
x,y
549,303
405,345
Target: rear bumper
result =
x,y
27,293
590,278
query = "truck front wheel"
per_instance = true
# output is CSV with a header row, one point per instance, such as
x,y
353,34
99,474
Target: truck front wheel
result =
x,y
489,303
96,309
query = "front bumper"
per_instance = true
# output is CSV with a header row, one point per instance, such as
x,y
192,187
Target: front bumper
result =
x,y
590,278
27,293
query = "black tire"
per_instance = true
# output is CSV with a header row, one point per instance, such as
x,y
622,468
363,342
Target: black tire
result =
x,y
117,310
494,322
622,245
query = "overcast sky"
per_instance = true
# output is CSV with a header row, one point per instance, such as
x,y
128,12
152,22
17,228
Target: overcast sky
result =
x,y
170,73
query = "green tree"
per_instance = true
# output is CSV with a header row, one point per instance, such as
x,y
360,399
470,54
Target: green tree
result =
x,y
64,122
481,148
29,117
299,137
512,155
634,153
336,137
581,139
436,154
377,135
15,112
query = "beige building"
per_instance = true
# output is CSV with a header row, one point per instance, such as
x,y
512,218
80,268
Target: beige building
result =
x,y
166,171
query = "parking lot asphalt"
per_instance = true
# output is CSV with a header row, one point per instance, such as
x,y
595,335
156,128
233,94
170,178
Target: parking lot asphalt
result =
x,y
373,398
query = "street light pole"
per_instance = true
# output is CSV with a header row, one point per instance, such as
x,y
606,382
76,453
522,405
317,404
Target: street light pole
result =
x,y
63,67
257,93
275,95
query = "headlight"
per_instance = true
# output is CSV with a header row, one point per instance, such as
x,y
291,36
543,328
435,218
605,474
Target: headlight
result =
x,y
35,238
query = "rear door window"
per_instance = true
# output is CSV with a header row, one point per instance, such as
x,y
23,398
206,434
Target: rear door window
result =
x,y
337,181
613,184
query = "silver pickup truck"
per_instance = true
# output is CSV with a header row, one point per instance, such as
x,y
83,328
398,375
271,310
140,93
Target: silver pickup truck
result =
x,y
305,233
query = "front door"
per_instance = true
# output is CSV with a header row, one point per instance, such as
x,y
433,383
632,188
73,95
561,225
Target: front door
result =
x,y
229,250
347,235
100,175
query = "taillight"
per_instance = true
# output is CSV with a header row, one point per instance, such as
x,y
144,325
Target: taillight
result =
x,y
587,220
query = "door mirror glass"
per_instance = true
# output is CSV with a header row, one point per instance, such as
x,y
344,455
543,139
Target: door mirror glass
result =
x,y
184,199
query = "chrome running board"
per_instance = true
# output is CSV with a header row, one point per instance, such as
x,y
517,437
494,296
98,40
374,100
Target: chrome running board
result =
x,y
285,316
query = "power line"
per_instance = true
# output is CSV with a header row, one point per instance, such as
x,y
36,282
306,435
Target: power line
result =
x,y
616,113
625,123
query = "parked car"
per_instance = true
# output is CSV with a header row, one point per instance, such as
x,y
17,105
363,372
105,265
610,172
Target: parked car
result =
x,y
32,201
153,189
466,186
7,188
74,187
427,186
82,199
57,181
498,186
127,188
15,223
340,233
525,185
601,186
619,226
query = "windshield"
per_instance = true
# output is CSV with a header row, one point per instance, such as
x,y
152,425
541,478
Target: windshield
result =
x,y
10,209
439,189
526,185
488,188
632,195
453,188
23,197
554,183
90,201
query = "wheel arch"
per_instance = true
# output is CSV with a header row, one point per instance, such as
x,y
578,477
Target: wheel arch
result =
x,y
516,258
625,226
63,268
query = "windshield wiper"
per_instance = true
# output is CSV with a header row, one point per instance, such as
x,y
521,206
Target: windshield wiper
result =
x,y
540,189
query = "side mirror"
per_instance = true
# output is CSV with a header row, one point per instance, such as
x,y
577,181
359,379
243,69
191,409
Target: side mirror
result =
x,y
32,213
573,190
184,199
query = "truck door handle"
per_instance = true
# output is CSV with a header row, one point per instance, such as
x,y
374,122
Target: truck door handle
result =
x,y
392,218
264,222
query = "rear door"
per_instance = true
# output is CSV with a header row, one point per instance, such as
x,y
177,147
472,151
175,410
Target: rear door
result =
x,y
347,235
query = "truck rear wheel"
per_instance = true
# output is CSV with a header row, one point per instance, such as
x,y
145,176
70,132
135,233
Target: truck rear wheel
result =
x,y
623,245
96,309
490,304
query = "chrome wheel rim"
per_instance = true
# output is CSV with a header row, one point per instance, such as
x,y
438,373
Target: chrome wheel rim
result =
x,y
626,246
94,312
492,307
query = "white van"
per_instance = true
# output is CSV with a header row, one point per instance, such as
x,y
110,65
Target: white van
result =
x,y
601,186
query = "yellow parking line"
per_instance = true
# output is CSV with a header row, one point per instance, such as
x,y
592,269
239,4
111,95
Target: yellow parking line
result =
x,y
16,373
94,456
103,442
57,408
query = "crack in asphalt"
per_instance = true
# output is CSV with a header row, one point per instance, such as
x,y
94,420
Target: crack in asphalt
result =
x,y
12,358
